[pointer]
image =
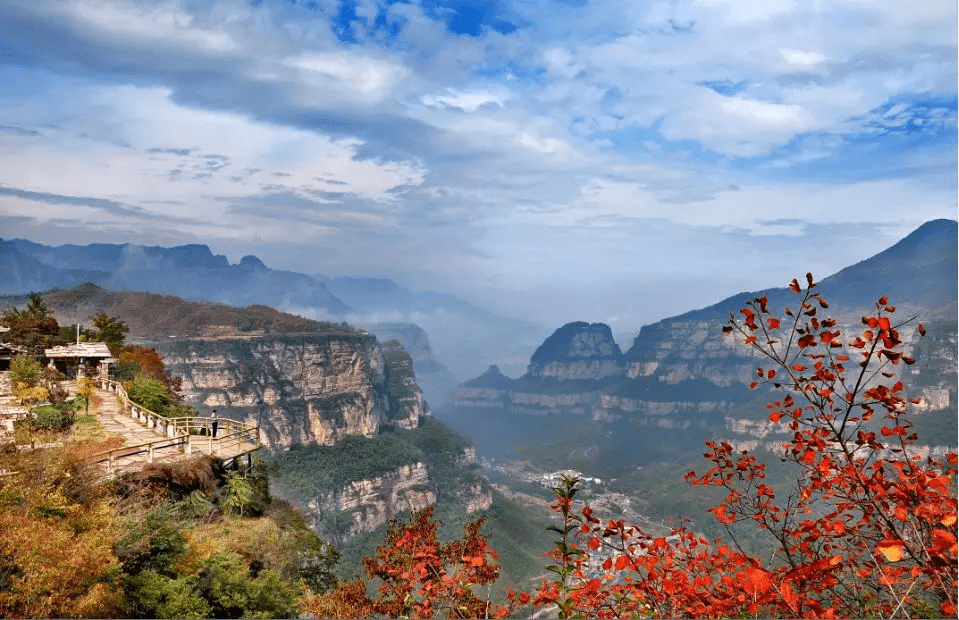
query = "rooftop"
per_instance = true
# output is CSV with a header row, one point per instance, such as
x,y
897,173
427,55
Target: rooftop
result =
x,y
83,349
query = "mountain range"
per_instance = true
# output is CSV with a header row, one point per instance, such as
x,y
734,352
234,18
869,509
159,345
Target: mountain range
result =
x,y
462,334
682,380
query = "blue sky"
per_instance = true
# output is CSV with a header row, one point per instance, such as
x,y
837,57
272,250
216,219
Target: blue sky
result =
x,y
580,160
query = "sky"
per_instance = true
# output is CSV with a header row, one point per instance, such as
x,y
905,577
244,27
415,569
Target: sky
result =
x,y
550,160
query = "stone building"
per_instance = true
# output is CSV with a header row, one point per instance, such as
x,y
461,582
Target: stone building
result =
x,y
84,359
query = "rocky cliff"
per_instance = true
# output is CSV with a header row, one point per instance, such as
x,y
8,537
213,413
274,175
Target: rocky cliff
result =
x,y
342,413
364,505
311,389
683,380
434,378
578,351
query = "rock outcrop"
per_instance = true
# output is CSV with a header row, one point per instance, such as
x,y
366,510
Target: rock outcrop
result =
x,y
364,505
578,351
311,389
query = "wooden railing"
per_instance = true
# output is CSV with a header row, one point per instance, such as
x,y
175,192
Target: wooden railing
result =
x,y
189,434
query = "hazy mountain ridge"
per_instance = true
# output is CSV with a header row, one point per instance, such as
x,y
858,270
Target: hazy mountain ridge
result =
x,y
188,271
684,373
465,337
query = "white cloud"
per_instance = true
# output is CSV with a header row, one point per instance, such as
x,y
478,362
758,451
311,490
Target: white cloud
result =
x,y
165,23
362,79
568,151
803,60
469,100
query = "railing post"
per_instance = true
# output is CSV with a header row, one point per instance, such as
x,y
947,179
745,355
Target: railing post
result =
x,y
110,464
150,454
189,443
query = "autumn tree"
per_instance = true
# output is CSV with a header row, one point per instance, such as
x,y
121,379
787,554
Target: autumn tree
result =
x,y
133,360
419,576
32,329
86,387
56,556
868,528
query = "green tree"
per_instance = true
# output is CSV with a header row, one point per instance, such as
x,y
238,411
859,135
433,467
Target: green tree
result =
x,y
111,330
25,369
150,393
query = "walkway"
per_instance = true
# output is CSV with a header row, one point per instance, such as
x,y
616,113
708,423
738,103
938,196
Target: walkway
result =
x,y
151,438
118,423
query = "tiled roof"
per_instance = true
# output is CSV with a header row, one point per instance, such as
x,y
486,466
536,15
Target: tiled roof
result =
x,y
84,349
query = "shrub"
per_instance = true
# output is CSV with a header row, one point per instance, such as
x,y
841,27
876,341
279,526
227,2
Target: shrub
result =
x,y
52,417
150,393
25,370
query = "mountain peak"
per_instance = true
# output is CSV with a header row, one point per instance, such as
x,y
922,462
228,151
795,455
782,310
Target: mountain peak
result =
x,y
251,262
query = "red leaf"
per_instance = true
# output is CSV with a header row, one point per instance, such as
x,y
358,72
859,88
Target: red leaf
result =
x,y
883,300
794,285
809,279
771,374
922,329
883,323
775,416
773,323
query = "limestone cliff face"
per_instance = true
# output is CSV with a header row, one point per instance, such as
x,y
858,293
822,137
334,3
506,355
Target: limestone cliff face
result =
x,y
404,397
364,505
311,389
372,502
678,350
578,351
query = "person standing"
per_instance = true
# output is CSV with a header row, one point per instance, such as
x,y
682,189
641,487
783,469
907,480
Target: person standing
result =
x,y
214,421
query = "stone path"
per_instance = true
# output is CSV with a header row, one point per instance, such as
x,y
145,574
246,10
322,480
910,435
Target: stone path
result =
x,y
114,421
10,409
117,423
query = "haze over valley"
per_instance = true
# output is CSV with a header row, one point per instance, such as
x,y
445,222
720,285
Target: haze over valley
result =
x,y
436,259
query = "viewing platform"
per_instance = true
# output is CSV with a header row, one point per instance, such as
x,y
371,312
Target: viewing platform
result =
x,y
151,437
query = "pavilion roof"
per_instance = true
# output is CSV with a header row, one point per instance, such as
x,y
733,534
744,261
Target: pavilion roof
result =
x,y
83,349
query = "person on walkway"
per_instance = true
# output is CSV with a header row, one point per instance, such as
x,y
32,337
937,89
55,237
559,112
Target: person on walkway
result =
x,y
215,421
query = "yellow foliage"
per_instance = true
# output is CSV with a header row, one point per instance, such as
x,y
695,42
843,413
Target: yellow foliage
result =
x,y
259,539
197,551
28,395
53,573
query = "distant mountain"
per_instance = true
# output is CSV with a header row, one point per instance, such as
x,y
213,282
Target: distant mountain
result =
x,y
683,381
918,274
153,317
188,271
463,336
436,379
23,273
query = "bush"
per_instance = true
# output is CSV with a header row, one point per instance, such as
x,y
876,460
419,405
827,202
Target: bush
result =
x,y
25,370
52,417
149,393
